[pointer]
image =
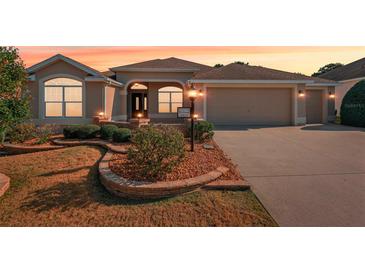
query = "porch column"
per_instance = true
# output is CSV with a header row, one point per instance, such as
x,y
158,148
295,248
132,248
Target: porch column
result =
x,y
123,104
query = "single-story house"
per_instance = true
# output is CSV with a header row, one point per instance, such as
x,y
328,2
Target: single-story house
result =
x,y
65,91
347,76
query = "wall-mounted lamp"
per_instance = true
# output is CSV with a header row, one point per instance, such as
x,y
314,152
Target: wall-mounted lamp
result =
x,y
331,95
195,116
301,93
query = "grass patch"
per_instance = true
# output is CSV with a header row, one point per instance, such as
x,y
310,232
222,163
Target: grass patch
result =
x,y
61,188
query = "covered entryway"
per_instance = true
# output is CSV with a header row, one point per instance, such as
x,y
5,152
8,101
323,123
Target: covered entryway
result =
x,y
314,103
249,106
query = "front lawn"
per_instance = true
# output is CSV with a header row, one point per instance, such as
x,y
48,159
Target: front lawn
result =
x,y
61,188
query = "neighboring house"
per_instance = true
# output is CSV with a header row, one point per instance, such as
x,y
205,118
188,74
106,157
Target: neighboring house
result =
x,y
65,91
347,76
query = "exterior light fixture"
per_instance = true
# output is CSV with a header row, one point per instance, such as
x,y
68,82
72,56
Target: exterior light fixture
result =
x,y
101,114
139,116
301,93
193,94
331,95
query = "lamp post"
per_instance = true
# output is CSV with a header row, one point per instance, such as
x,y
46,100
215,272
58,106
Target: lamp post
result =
x,y
193,94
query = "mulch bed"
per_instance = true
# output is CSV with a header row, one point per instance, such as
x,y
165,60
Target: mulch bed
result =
x,y
196,163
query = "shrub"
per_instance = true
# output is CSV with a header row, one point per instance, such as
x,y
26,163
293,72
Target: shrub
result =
x,y
106,131
353,106
87,131
203,131
44,132
81,131
121,135
22,132
70,132
156,150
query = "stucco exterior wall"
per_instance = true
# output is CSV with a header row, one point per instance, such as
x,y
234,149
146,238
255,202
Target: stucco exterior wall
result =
x,y
92,93
127,77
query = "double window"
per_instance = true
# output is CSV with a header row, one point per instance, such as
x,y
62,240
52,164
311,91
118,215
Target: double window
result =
x,y
63,98
169,99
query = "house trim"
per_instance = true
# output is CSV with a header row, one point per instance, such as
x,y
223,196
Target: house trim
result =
x,y
208,81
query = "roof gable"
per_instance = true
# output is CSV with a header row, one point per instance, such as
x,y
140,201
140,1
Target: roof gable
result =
x,y
168,64
60,57
353,70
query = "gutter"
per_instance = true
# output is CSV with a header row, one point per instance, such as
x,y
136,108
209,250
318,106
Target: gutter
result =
x,y
209,81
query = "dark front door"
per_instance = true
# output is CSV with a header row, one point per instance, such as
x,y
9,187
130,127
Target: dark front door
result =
x,y
139,105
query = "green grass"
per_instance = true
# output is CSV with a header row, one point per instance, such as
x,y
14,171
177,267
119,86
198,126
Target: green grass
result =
x,y
61,188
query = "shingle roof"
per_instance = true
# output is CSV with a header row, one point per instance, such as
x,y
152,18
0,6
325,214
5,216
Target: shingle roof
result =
x,y
350,71
171,63
246,72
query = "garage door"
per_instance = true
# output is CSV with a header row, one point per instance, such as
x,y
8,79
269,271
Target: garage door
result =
x,y
313,106
244,106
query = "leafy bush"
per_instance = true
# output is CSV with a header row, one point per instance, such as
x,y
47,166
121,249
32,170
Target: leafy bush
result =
x,y
203,131
44,132
106,131
353,106
156,150
70,132
22,132
87,131
121,135
81,131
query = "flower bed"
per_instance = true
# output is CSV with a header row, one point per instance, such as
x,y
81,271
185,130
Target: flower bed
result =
x,y
195,163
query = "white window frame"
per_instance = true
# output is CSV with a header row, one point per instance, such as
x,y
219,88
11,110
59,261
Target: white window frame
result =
x,y
170,103
42,102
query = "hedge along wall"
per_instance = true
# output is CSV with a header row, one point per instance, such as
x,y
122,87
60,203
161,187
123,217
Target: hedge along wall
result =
x,y
353,106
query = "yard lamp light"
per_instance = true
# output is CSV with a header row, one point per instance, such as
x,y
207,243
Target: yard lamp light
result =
x,y
193,94
301,93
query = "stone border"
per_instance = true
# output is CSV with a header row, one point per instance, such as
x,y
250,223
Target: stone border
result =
x,y
125,188
232,185
14,149
104,144
4,184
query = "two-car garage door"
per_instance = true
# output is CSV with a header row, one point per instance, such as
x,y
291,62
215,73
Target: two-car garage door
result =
x,y
249,106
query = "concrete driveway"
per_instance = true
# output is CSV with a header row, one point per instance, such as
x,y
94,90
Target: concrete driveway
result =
x,y
305,176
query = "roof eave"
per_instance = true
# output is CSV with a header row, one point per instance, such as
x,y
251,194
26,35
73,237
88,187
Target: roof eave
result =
x,y
104,80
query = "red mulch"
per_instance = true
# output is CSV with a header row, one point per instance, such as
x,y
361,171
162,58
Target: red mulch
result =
x,y
195,163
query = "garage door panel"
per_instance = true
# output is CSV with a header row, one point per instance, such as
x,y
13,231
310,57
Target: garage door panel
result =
x,y
313,106
234,106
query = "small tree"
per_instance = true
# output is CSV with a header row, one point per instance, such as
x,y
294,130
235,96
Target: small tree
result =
x,y
218,65
241,63
327,68
14,102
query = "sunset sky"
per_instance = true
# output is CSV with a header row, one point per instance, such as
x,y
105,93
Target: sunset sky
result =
x,y
294,59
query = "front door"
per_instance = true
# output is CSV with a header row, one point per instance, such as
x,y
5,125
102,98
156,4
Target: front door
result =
x,y
139,105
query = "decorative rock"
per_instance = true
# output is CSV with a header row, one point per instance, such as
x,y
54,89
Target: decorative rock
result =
x,y
21,149
232,185
4,183
208,146
126,188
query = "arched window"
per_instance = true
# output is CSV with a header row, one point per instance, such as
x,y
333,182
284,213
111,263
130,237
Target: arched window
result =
x,y
137,86
169,99
63,98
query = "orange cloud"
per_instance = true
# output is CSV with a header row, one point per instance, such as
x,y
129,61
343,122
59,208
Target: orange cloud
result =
x,y
295,59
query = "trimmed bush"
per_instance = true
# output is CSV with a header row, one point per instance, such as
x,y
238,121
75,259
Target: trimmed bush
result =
x,y
353,106
70,132
44,132
121,135
203,131
81,131
156,150
88,131
106,131
22,133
